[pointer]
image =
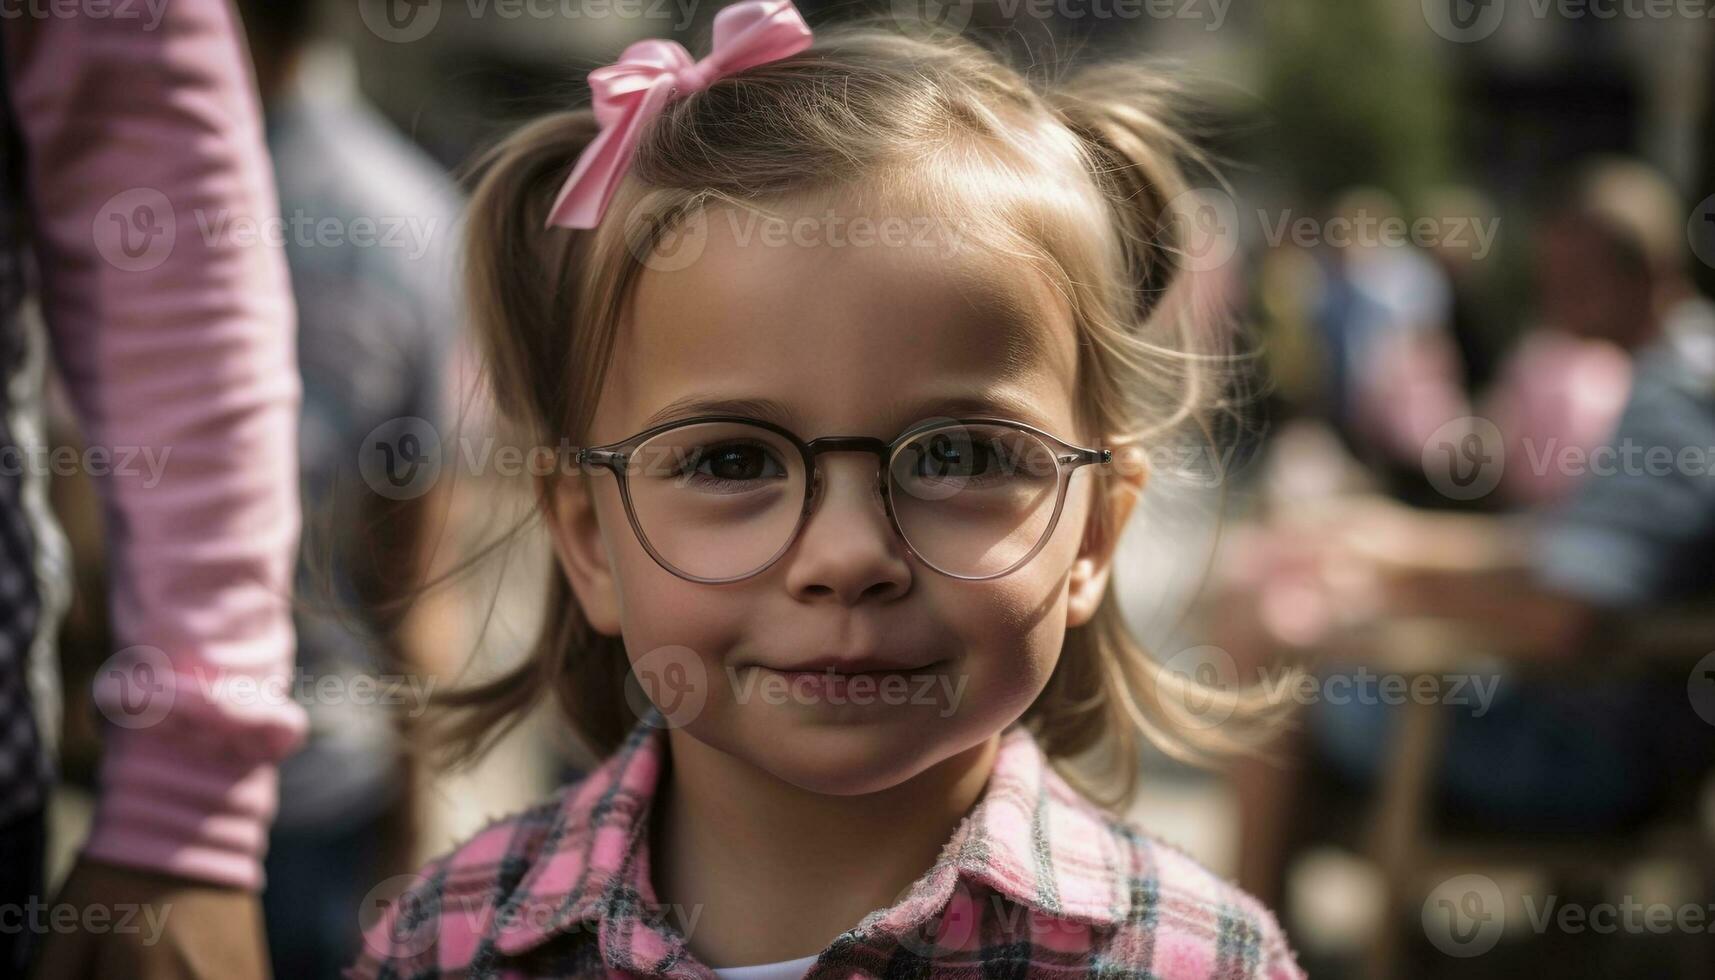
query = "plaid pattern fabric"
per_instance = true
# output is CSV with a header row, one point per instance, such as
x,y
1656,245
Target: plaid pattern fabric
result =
x,y
1036,882
25,770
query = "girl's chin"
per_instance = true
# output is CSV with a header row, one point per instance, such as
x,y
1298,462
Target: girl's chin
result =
x,y
847,760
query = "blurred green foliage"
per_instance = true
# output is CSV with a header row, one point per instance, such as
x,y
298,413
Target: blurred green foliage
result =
x,y
1355,94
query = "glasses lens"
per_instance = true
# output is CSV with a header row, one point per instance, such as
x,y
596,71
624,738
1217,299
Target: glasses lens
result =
x,y
717,500
974,500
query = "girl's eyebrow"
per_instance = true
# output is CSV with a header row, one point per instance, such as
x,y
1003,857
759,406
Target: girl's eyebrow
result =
x,y
999,401
763,408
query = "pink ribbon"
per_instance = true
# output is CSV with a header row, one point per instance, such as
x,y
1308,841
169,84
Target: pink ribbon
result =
x,y
633,90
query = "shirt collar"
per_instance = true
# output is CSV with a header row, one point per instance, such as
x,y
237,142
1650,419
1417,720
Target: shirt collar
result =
x,y
1030,837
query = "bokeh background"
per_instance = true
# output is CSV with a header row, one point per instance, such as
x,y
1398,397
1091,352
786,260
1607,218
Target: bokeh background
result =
x,y
1468,241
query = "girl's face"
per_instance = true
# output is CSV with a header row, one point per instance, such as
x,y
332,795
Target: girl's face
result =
x,y
849,339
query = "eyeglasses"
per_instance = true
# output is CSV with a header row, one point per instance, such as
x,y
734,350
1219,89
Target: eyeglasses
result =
x,y
719,498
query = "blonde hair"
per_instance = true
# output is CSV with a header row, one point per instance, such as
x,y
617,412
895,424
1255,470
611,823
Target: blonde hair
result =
x,y
1076,178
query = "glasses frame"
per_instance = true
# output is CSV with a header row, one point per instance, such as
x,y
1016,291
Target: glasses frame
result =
x,y
1067,458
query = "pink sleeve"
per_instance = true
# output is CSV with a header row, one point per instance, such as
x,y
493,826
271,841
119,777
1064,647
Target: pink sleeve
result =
x,y
174,333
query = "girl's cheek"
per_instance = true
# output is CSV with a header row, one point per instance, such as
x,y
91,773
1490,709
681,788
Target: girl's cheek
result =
x,y
677,634
1011,632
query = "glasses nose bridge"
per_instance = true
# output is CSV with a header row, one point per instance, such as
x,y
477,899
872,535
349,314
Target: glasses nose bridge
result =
x,y
845,444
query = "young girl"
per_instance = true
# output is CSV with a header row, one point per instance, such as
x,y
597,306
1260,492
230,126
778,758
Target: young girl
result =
x,y
856,339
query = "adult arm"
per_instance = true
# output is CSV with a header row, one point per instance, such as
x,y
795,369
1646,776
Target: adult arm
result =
x,y
174,335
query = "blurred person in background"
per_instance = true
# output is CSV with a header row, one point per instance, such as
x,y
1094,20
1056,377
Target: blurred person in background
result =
x,y
369,229
176,353
1401,370
1607,272
1549,755
1361,337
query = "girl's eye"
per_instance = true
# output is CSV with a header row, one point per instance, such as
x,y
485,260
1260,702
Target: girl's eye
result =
x,y
947,458
734,463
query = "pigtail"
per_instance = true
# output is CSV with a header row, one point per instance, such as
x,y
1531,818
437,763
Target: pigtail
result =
x,y
511,256
1124,116
1109,695
1131,124
525,296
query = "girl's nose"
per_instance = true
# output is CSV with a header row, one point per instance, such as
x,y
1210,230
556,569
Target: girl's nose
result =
x,y
848,549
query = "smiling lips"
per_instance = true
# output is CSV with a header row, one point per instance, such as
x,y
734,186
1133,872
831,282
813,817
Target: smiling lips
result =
x,y
852,666
843,680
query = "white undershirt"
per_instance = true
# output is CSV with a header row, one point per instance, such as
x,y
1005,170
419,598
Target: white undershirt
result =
x,y
784,970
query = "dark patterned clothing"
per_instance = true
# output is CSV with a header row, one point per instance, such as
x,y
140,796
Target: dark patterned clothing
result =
x,y
35,577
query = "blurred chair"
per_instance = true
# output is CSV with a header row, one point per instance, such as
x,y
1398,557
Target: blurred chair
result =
x,y
1397,829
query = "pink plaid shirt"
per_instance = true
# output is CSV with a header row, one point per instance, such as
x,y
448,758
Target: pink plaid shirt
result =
x,y
1036,881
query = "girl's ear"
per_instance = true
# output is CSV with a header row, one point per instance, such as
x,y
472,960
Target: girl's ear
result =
x,y
1090,572
583,554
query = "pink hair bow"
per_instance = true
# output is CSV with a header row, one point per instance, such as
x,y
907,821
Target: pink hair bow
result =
x,y
632,91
